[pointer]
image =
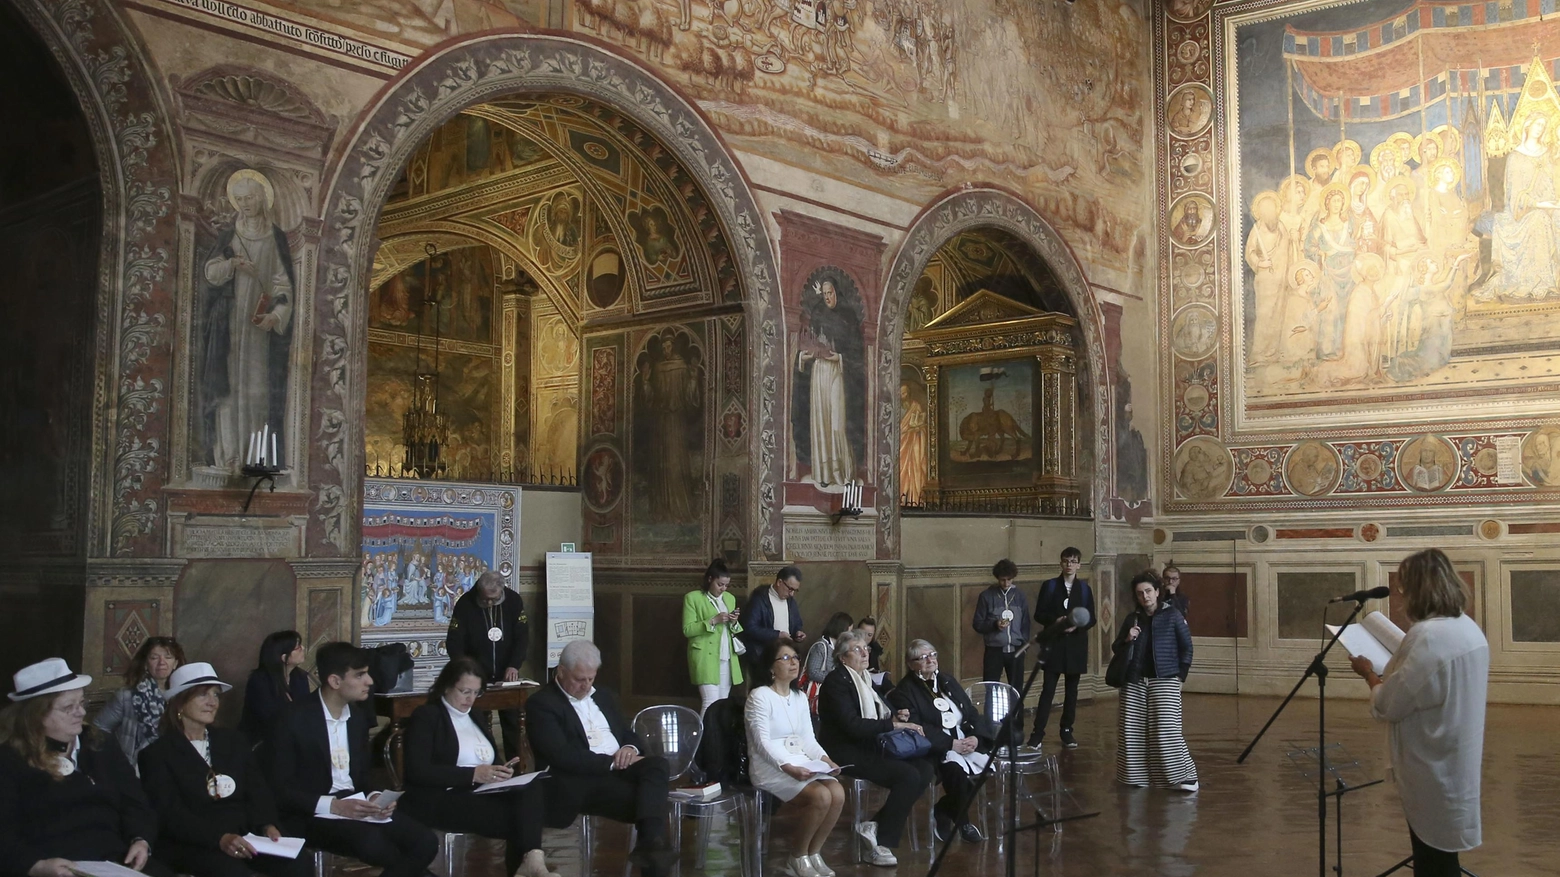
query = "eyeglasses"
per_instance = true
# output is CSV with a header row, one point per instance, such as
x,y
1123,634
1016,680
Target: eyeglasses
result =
x,y
927,656
468,692
787,659
857,650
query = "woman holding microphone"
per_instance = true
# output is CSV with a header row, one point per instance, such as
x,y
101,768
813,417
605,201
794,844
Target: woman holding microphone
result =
x,y
710,624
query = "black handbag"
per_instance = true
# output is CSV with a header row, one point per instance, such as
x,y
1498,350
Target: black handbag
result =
x,y
904,744
1116,673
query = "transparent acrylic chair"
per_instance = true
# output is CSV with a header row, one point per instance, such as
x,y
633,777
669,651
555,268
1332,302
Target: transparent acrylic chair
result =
x,y
999,703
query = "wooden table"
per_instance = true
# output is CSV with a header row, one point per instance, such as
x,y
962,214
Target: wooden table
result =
x,y
399,706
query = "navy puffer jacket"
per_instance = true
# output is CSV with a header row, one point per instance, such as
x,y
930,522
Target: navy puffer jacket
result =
x,y
1171,640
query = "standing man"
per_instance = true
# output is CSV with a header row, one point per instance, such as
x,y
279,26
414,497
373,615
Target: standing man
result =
x,y
772,611
1002,619
319,757
490,625
1065,653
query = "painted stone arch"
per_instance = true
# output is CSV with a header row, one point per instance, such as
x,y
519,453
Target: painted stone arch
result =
x,y
426,95
134,148
964,209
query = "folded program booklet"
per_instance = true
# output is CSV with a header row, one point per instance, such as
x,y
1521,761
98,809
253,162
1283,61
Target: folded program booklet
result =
x,y
1375,637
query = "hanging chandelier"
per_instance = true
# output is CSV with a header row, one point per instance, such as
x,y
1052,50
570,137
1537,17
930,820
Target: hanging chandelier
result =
x,y
425,431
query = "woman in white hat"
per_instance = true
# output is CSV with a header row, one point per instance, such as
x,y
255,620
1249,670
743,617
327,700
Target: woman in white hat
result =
x,y
207,785
67,794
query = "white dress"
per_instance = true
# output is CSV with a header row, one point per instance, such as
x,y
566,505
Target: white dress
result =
x,y
779,732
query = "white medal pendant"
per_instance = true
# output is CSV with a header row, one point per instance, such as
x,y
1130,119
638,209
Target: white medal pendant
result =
x,y
942,704
1007,615
495,634
221,786
67,767
949,722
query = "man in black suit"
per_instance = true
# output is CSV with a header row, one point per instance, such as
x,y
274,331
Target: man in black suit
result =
x,y
581,737
319,757
770,611
1065,653
489,624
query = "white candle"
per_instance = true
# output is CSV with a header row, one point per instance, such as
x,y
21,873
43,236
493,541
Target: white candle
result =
x,y
273,450
249,453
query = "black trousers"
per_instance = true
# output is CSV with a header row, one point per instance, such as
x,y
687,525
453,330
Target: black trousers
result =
x,y
403,846
636,794
1048,694
508,723
514,817
1431,862
211,862
958,792
905,780
994,664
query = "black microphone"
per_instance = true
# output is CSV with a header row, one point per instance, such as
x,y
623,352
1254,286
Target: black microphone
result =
x,y
1078,617
1380,593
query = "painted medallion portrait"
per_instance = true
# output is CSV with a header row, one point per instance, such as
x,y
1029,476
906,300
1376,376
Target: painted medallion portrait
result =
x,y
1427,463
1203,469
1312,468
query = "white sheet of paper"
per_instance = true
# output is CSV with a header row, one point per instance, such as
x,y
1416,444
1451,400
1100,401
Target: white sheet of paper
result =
x,y
1362,640
286,848
518,683
385,798
513,782
378,820
104,869
821,768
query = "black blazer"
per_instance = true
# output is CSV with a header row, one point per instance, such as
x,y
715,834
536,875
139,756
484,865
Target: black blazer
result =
x,y
300,755
1068,652
94,813
758,621
263,704
847,735
175,775
914,695
468,633
430,749
558,737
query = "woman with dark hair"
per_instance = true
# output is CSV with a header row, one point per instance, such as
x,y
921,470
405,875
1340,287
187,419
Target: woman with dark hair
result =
x,y
1152,746
134,716
1170,577
208,787
868,626
1433,698
278,680
780,746
448,754
709,622
67,794
820,657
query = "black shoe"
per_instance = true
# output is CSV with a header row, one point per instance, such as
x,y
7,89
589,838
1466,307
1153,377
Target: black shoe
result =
x,y
653,863
943,826
1035,740
970,833
1067,739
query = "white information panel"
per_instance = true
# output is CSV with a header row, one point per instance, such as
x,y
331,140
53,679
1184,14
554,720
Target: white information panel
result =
x,y
571,602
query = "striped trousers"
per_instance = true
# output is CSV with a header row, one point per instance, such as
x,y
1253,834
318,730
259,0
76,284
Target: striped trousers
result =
x,y
1152,748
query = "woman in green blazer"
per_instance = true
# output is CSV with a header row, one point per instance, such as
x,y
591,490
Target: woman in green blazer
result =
x,y
710,624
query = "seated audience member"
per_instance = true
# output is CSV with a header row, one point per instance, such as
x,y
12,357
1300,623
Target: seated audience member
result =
x,y
581,737
67,794
447,754
319,757
134,715
771,612
961,737
820,657
780,742
208,788
851,715
489,624
276,682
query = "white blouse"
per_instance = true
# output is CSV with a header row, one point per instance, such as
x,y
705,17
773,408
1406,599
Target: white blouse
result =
x,y
1433,695
780,730
475,750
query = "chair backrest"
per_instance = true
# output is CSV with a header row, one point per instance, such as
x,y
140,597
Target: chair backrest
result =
x,y
673,733
996,701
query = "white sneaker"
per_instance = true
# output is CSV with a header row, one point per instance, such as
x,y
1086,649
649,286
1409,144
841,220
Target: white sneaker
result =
x,y
866,832
820,866
799,866
1189,787
534,865
883,857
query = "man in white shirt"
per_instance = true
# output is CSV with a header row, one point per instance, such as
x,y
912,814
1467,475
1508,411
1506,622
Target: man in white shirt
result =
x,y
771,612
580,735
319,757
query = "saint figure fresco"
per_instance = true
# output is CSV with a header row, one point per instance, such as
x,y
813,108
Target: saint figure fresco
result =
x,y
828,396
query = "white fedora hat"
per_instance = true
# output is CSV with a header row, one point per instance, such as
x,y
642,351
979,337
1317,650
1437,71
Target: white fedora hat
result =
x,y
49,676
193,676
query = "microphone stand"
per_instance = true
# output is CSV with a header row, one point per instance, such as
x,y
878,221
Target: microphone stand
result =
x,y
1009,736
1317,668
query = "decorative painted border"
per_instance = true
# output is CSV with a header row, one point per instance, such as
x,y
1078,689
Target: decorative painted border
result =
x,y
425,96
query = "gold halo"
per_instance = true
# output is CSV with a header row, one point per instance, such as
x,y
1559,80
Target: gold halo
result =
x,y
1361,170
1524,115
252,176
1457,171
1316,153
1419,145
1307,265
1269,195
1403,142
1370,266
1451,138
1341,145
1343,192
1384,148
1402,183
1295,179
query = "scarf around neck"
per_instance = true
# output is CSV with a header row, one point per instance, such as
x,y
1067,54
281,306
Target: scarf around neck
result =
x,y
872,706
147,704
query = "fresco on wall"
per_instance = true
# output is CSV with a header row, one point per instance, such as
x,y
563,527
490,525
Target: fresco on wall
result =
x,y
989,418
914,464
1400,238
667,460
462,284
465,150
829,391
468,390
244,328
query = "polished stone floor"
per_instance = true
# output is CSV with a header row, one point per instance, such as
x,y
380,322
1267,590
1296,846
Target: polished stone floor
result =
x,y
1253,819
